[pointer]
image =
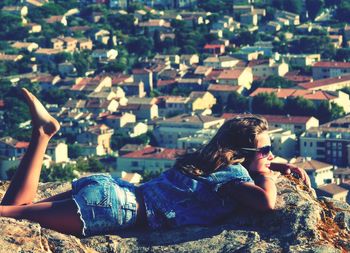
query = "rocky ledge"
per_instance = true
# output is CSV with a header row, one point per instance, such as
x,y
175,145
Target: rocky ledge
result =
x,y
301,223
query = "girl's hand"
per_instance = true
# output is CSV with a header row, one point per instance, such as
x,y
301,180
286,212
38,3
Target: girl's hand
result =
x,y
290,169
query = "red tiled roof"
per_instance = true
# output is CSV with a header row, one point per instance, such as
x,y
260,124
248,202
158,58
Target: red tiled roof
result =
x,y
324,82
298,78
140,71
54,19
332,189
213,75
311,165
223,87
331,64
79,28
163,83
284,93
97,128
22,144
230,74
154,153
257,62
213,46
119,78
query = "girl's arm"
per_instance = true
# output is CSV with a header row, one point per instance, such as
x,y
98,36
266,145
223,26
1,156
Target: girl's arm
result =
x,y
261,195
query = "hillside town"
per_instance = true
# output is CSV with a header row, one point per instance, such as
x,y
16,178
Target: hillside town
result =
x,y
135,83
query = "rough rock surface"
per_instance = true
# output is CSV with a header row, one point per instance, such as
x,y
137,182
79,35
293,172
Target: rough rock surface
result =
x,y
301,223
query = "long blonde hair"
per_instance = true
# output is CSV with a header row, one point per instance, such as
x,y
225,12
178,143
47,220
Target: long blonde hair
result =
x,y
225,147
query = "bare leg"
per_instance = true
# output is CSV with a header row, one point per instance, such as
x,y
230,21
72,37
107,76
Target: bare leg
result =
x,y
24,184
60,215
57,197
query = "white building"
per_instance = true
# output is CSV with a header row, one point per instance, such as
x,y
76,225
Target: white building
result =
x,y
149,159
320,173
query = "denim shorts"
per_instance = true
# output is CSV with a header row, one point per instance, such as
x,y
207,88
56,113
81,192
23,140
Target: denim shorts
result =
x,y
105,204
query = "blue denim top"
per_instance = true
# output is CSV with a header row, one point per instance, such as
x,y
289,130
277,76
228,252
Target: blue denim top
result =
x,y
174,198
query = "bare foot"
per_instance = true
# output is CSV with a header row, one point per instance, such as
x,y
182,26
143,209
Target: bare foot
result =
x,y
41,118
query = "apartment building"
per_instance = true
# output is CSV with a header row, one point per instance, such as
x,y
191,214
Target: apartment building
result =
x,y
329,142
149,159
328,69
168,131
265,68
327,84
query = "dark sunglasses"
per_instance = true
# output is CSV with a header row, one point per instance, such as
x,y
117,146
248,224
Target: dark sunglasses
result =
x,y
264,151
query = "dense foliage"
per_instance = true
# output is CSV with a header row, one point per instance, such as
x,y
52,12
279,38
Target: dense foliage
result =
x,y
270,104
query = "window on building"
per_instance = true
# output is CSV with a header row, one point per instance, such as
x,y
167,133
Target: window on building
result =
x,y
320,152
311,144
320,144
305,143
328,181
134,164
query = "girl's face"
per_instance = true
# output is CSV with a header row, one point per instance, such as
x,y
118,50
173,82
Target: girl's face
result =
x,y
263,157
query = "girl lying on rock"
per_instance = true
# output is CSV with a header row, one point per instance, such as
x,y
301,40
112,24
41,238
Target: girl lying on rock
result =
x,y
234,168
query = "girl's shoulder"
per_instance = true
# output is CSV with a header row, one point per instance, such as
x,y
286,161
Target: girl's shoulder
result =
x,y
234,172
234,169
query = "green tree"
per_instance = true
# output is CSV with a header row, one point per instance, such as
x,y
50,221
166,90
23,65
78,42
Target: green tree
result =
x,y
55,96
75,151
343,11
237,103
267,103
94,165
134,6
245,38
342,54
211,5
314,7
141,45
124,23
148,175
118,140
295,6
346,90
83,62
118,65
5,86
313,44
68,4
272,82
188,49
62,57
328,111
218,108
157,42
299,106
331,3
58,172
11,27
